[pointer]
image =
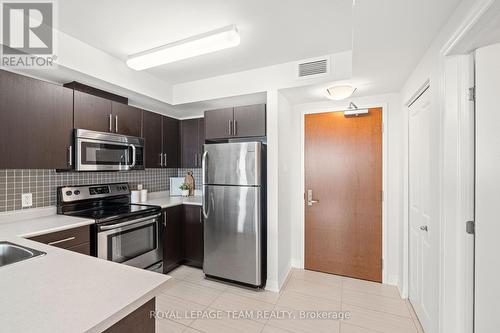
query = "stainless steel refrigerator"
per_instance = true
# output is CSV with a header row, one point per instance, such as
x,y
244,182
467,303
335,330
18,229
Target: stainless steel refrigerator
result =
x,y
234,209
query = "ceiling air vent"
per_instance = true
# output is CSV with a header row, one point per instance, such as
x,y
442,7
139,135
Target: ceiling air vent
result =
x,y
313,68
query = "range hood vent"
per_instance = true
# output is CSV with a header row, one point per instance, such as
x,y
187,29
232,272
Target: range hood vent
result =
x,y
313,68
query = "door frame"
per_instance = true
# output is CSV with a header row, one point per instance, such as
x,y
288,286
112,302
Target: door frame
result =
x,y
300,263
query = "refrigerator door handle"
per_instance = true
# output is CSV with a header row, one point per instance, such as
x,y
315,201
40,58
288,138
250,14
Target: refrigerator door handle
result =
x,y
204,167
205,208
204,196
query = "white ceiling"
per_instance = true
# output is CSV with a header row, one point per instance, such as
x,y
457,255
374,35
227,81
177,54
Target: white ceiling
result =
x,y
485,31
390,37
272,32
387,38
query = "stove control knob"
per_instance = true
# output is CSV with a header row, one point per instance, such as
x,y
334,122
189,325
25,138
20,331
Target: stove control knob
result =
x,y
68,193
77,192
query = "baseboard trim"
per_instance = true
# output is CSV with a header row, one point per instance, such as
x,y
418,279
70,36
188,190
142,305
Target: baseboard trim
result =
x,y
297,263
272,285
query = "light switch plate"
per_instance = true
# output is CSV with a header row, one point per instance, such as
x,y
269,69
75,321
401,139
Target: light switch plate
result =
x,y
27,200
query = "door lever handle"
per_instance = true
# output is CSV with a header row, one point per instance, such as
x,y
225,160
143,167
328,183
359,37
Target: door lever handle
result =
x,y
310,200
424,228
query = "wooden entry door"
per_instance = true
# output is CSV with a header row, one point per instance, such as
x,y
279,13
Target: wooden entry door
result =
x,y
343,169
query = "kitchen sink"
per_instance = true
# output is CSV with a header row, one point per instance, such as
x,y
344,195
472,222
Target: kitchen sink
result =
x,y
11,253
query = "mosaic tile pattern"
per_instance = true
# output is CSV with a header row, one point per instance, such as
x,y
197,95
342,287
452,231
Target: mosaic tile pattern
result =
x,y
43,183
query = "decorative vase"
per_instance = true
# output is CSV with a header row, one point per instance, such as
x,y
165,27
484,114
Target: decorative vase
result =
x,y
189,180
185,193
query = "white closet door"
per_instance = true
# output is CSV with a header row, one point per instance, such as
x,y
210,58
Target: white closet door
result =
x,y
423,231
487,255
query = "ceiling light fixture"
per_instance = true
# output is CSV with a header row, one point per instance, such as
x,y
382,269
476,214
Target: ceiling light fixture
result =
x,y
340,92
208,42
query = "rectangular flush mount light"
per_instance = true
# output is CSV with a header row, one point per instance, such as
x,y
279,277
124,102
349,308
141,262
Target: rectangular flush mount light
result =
x,y
355,112
208,42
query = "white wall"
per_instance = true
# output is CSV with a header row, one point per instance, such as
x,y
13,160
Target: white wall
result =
x,y
257,80
81,57
392,183
272,190
288,182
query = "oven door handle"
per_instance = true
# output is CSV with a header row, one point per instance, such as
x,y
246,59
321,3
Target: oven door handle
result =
x,y
124,224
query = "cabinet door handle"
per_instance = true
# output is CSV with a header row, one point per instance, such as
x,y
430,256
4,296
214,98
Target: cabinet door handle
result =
x,y
161,159
165,220
70,155
61,241
195,160
235,128
116,124
230,127
201,216
165,160
110,122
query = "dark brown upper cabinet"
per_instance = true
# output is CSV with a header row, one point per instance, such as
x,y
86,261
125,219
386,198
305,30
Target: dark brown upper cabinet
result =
x,y
218,123
193,236
127,119
238,122
192,140
101,114
170,142
152,134
249,121
161,136
201,140
36,123
92,112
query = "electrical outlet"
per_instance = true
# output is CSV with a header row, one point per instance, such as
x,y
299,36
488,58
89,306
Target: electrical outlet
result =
x,y
27,199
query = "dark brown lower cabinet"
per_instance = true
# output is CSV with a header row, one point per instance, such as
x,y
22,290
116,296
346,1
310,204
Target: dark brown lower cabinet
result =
x,y
193,236
173,247
183,237
139,321
76,239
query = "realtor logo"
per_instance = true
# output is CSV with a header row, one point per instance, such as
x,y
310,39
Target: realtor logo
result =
x,y
27,33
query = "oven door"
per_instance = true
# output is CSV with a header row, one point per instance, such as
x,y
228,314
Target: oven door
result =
x,y
134,242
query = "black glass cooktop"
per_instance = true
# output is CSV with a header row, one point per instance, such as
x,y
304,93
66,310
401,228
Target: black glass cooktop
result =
x,y
112,212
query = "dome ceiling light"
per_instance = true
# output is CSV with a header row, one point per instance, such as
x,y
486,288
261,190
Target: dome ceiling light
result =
x,y
340,92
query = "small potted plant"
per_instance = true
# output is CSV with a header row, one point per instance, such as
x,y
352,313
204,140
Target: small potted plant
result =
x,y
185,190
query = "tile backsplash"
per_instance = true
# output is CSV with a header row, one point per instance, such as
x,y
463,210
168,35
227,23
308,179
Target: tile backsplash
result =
x,y
43,183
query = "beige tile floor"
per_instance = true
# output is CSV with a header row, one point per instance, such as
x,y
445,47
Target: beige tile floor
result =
x,y
373,307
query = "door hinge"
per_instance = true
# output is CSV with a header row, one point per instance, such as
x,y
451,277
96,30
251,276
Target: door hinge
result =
x,y
472,94
470,227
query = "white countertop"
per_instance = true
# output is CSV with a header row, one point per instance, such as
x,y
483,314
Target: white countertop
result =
x,y
64,291
164,200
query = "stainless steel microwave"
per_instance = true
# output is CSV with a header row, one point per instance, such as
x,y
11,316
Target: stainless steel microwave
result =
x,y
100,151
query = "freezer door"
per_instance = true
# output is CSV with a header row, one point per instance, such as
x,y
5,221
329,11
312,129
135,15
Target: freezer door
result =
x,y
232,233
232,164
